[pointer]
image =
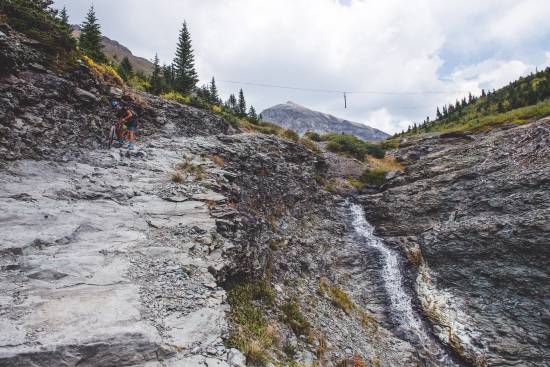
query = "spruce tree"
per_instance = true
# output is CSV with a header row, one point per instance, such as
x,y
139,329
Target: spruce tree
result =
x,y
64,17
204,93
125,69
168,76
156,77
241,108
214,98
90,38
252,114
232,103
184,63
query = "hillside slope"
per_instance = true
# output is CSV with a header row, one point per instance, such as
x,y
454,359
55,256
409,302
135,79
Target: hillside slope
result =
x,y
301,119
131,258
116,52
211,243
520,102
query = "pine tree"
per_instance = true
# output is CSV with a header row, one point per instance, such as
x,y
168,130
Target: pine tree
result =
x,y
90,38
64,17
168,77
252,114
232,103
241,108
438,114
156,77
184,63
214,98
125,69
204,93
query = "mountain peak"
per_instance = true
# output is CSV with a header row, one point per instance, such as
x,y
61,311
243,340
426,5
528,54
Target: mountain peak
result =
x,y
301,119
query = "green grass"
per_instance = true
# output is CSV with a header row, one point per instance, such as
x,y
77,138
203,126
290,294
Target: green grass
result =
x,y
374,176
519,116
339,297
295,319
520,102
253,334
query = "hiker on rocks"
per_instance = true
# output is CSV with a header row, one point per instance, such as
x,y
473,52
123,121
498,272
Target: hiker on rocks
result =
x,y
129,120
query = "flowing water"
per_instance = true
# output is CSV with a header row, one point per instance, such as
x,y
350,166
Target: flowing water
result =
x,y
407,321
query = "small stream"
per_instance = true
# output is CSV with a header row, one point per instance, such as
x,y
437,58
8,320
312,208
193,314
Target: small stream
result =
x,y
407,321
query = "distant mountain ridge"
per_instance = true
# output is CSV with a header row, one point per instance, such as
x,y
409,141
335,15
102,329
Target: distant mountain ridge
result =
x,y
301,119
116,52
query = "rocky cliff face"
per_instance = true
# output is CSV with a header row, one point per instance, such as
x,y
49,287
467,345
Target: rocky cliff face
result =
x,y
207,242
301,119
119,258
472,213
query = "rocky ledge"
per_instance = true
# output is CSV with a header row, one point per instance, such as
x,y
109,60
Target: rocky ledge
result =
x,y
472,214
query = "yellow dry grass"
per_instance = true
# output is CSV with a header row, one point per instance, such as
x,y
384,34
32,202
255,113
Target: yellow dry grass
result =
x,y
388,163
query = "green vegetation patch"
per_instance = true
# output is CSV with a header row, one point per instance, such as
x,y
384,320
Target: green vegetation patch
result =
x,y
295,319
519,102
253,334
374,176
337,296
353,146
290,135
313,136
39,21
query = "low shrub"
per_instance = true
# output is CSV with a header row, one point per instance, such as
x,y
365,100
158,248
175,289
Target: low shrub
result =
x,y
106,73
175,96
356,183
290,135
374,176
352,146
313,136
309,144
139,83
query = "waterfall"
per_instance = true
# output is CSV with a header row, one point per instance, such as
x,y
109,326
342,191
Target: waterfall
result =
x,y
407,320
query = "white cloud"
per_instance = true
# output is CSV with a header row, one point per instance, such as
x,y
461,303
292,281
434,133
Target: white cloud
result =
x,y
490,74
352,45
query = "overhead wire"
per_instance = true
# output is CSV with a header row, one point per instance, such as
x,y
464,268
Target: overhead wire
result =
x,y
266,85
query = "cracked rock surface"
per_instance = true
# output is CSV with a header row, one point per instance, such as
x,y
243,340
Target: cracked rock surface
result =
x,y
101,267
473,214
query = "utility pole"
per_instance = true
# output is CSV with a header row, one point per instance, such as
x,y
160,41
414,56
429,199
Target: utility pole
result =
x,y
345,101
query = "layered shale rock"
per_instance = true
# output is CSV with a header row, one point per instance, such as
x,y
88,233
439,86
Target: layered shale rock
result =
x,y
472,213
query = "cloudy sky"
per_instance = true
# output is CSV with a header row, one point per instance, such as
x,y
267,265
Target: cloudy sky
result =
x,y
398,59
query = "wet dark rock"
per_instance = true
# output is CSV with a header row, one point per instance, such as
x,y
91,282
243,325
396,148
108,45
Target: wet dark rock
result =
x,y
478,207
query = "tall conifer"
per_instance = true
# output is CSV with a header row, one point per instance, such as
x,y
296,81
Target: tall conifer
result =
x,y
214,98
184,63
156,77
90,37
241,107
64,17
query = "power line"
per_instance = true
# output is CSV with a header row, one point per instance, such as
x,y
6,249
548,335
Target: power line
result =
x,y
265,85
